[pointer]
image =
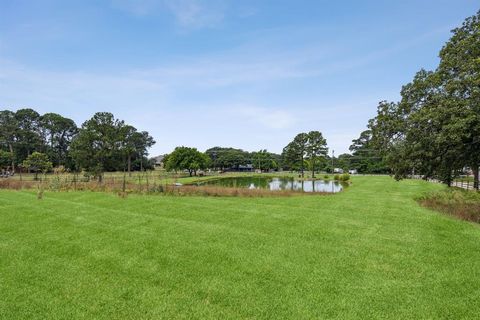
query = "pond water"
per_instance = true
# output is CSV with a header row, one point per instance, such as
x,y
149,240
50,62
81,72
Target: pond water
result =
x,y
275,184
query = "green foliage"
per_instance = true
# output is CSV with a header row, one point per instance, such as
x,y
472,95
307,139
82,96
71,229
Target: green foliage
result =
x,y
58,133
434,131
103,143
97,147
457,202
185,158
316,149
37,162
6,159
134,146
228,158
8,126
365,158
264,160
294,153
305,146
108,144
27,133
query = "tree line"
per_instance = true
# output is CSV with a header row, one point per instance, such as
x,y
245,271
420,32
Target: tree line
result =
x,y
434,130
307,151
37,142
222,159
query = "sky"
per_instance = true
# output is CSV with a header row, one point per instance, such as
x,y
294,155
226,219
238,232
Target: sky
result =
x,y
249,74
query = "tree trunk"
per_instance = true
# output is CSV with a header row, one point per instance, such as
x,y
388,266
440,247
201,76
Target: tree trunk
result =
x,y
313,168
13,158
301,167
129,165
190,172
124,182
475,177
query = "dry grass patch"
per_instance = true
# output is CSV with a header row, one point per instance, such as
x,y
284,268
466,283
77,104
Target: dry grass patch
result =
x,y
130,187
456,202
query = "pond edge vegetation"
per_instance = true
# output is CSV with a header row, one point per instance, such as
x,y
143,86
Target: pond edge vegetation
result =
x,y
456,202
125,187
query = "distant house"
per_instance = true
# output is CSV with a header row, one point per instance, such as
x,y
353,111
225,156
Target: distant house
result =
x,y
158,161
353,171
241,168
338,170
245,168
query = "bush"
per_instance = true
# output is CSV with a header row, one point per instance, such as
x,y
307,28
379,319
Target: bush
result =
x,y
326,177
345,177
457,202
336,177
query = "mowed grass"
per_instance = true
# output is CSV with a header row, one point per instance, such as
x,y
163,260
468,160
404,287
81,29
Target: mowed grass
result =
x,y
369,252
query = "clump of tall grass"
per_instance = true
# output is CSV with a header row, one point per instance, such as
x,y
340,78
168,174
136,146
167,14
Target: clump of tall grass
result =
x,y
342,177
124,188
17,184
225,192
453,201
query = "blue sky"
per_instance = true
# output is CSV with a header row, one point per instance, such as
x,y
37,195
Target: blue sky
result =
x,y
247,74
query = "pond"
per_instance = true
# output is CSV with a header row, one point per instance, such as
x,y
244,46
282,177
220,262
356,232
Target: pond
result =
x,y
275,184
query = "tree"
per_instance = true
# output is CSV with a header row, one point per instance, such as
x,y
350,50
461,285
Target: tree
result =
x,y
365,158
28,133
264,160
316,148
128,137
98,145
294,153
37,162
226,158
5,159
290,157
8,127
142,141
58,132
185,158
345,162
434,130
135,145
425,132
459,72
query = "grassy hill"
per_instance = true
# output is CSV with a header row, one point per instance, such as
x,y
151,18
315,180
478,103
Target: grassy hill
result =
x,y
368,252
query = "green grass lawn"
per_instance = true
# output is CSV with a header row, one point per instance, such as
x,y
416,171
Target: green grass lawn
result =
x,y
368,252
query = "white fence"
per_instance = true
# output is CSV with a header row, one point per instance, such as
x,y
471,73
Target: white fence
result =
x,y
467,185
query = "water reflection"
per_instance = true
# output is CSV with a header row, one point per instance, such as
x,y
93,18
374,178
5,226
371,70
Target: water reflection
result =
x,y
283,183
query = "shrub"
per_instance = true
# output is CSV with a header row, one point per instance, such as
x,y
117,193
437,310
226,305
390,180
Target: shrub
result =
x,y
336,177
345,177
457,202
